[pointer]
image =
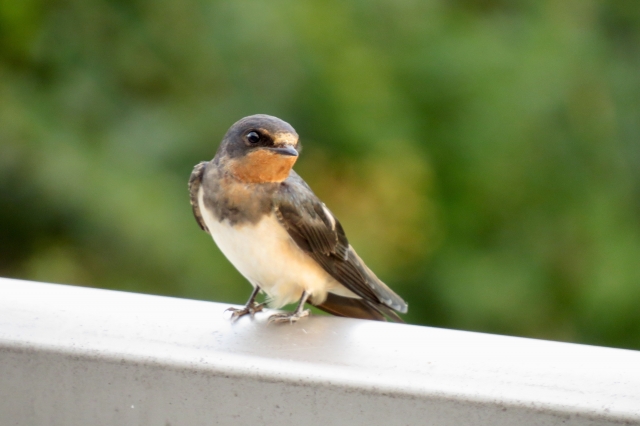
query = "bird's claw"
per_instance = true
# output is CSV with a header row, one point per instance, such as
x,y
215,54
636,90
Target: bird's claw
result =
x,y
289,317
250,309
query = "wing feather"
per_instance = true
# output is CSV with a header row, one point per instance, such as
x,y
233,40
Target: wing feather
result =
x,y
316,231
195,180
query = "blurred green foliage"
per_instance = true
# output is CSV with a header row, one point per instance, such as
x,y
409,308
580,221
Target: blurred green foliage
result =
x,y
483,155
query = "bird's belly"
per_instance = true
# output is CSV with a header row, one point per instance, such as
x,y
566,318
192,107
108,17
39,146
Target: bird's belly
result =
x,y
265,254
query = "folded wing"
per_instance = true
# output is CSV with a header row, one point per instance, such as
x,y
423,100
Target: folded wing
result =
x,y
316,231
195,180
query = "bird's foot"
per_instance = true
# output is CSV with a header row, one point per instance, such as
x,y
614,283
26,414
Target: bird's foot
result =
x,y
289,317
248,309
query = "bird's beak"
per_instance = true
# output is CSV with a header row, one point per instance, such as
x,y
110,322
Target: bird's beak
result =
x,y
286,150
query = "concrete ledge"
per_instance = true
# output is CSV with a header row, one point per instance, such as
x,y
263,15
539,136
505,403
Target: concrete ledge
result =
x,y
79,356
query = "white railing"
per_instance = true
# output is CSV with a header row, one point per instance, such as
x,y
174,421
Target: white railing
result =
x,y
79,356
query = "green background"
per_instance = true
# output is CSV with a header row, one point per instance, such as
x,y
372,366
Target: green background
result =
x,y
483,155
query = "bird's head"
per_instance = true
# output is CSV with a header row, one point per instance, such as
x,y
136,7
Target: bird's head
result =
x,y
258,149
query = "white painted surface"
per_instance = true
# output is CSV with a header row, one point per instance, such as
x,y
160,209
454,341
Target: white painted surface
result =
x,y
78,356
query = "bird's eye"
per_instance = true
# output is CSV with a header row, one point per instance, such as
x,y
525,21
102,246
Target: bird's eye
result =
x,y
253,137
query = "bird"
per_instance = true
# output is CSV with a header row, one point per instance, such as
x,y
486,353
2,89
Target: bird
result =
x,y
277,233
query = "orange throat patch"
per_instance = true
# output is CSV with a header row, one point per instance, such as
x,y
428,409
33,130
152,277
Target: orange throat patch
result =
x,y
262,166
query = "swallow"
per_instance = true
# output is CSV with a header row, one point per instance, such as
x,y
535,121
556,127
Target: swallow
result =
x,y
276,232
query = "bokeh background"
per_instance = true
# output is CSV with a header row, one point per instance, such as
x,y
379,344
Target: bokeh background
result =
x,y
483,155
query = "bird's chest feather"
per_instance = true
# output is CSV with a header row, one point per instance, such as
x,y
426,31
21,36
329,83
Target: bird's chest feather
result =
x,y
264,253
234,201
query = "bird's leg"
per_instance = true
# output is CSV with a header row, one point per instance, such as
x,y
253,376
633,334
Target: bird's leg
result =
x,y
251,307
294,316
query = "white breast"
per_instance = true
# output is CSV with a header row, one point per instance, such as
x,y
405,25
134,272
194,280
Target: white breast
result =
x,y
265,254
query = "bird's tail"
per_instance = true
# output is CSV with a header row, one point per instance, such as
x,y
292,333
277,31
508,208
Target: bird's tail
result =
x,y
356,308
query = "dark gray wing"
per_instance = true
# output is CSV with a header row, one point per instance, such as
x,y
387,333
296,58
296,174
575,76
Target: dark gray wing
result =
x,y
316,231
195,180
